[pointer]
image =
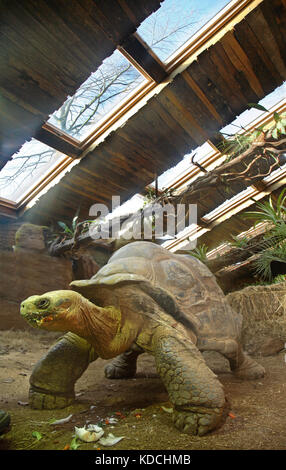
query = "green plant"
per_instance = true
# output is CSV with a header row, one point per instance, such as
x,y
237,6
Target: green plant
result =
x,y
200,252
275,214
262,265
274,242
239,242
76,227
234,145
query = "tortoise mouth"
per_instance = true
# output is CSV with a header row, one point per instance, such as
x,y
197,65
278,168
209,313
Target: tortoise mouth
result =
x,y
37,319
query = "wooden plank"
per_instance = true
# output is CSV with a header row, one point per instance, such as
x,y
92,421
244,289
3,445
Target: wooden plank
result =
x,y
49,62
275,15
228,73
211,66
15,123
103,12
209,88
203,98
169,100
241,62
173,127
265,28
57,143
261,64
137,52
140,9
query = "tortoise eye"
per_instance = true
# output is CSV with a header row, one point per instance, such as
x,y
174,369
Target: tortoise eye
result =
x,y
43,303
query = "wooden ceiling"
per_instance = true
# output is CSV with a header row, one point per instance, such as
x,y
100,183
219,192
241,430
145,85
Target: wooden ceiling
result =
x,y
245,65
48,49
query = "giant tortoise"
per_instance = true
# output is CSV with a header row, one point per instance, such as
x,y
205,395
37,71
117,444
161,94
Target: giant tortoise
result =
x,y
145,299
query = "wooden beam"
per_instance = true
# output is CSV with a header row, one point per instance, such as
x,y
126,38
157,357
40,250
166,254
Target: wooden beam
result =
x,y
137,51
47,137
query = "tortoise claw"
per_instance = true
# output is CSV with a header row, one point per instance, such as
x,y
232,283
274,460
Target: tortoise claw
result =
x,y
43,401
196,423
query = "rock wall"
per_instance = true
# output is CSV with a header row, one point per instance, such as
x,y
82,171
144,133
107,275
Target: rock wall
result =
x,y
26,273
27,269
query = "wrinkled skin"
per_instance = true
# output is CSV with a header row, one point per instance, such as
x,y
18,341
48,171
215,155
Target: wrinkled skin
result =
x,y
198,397
51,311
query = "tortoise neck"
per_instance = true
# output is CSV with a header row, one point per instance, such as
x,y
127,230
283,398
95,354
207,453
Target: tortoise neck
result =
x,y
98,325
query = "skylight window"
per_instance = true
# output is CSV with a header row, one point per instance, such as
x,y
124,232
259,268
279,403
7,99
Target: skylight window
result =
x,y
31,164
277,174
175,22
171,176
247,117
229,203
131,206
102,93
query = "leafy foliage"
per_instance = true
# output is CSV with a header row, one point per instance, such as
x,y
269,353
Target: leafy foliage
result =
x,y
200,252
239,242
76,227
275,240
268,212
262,266
238,143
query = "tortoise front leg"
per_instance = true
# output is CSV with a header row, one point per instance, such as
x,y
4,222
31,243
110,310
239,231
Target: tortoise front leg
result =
x,y
194,390
54,376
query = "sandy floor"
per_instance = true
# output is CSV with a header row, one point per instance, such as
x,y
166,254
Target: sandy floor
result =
x,y
257,419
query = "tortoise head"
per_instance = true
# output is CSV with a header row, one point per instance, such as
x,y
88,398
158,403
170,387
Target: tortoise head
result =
x,y
54,311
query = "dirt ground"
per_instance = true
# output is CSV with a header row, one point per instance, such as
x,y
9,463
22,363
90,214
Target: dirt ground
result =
x,y
140,405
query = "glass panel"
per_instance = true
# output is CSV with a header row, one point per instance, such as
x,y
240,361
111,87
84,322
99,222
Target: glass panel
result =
x,y
172,175
175,22
27,167
131,206
279,173
105,89
247,117
227,205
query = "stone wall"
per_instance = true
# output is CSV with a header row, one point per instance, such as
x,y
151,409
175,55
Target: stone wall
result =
x,y
7,235
27,269
27,273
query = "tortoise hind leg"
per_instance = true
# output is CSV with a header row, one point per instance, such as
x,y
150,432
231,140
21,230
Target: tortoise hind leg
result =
x,y
197,395
123,366
243,366
240,363
54,376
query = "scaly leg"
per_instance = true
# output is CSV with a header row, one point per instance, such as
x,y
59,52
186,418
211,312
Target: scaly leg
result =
x,y
240,363
245,367
54,376
123,366
197,395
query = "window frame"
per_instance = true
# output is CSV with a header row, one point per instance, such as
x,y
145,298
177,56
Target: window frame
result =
x,y
234,12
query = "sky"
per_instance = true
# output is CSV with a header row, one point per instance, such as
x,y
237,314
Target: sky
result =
x,y
190,15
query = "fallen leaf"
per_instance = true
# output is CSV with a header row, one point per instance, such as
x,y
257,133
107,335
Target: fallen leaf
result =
x,y
110,440
74,444
167,410
61,421
23,403
231,415
91,434
37,435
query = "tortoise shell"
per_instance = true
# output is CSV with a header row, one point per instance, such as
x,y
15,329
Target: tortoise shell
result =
x,y
181,284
